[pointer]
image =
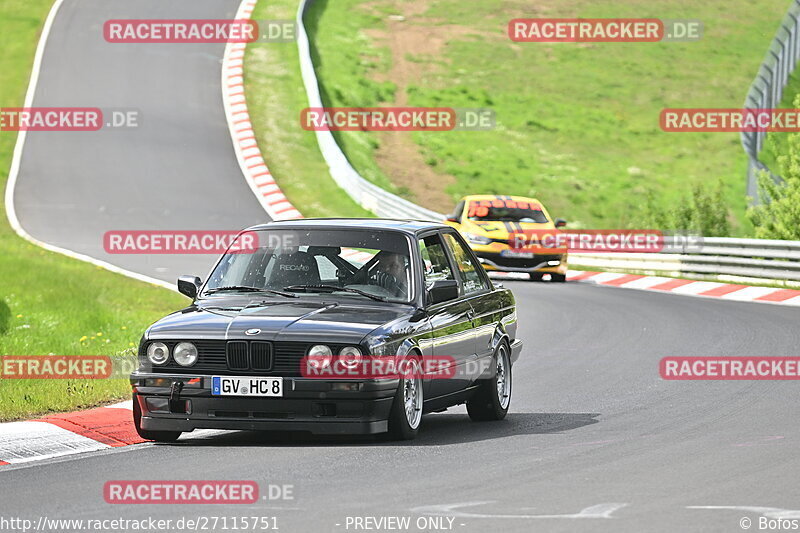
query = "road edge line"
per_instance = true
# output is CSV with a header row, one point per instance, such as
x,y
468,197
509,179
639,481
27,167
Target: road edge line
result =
x,y
13,173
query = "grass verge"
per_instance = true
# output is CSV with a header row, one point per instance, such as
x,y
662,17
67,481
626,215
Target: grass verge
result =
x,y
50,304
577,124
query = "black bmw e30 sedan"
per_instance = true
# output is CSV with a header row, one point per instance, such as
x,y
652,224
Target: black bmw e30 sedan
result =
x,y
327,292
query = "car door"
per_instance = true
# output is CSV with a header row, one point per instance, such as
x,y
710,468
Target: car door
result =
x,y
451,333
477,291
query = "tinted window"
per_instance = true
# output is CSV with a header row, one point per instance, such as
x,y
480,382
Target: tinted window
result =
x,y
468,271
377,262
434,260
506,211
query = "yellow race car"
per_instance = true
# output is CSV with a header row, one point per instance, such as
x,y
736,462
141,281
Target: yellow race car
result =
x,y
487,221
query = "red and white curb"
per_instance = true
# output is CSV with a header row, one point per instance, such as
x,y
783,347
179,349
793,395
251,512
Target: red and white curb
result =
x,y
245,145
685,287
65,434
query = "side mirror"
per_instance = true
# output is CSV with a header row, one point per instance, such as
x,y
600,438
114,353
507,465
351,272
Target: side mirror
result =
x,y
442,290
560,222
189,285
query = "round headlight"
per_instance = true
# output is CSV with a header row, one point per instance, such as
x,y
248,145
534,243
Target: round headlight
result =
x,y
158,353
350,356
320,355
185,354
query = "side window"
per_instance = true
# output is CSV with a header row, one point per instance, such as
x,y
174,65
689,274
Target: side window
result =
x,y
467,269
434,260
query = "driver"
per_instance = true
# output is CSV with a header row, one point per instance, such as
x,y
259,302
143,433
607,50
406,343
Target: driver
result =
x,y
390,273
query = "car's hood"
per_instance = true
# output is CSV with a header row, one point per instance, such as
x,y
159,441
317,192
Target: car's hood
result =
x,y
309,321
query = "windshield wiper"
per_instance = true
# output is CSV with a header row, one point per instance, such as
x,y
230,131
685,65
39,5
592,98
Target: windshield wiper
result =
x,y
242,288
334,288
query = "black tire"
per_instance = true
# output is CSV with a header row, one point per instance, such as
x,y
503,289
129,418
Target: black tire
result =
x,y
399,426
535,276
487,403
158,436
558,278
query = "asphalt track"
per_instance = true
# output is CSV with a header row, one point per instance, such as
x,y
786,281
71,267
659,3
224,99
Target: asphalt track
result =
x,y
595,440
176,171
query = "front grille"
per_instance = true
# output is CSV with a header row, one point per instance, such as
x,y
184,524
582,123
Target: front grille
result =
x,y
238,357
260,355
236,353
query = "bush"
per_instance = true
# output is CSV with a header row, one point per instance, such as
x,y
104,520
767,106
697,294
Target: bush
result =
x,y
778,216
704,212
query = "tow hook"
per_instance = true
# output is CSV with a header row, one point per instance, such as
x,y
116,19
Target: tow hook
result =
x,y
175,404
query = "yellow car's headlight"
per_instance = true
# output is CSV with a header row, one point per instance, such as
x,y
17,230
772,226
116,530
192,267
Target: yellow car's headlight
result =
x,y
477,239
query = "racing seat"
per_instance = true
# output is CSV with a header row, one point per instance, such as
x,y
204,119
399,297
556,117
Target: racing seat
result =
x,y
298,268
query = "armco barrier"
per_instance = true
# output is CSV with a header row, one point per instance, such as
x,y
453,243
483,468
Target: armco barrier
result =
x,y
755,259
713,257
766,91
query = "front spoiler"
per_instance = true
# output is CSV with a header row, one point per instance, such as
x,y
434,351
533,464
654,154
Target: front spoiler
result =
x,y
541,267
307,405
516,350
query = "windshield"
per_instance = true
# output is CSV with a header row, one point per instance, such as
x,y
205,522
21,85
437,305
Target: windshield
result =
x,y
319,260
506,211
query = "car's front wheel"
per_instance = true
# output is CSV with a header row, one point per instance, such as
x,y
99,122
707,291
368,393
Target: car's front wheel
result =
x,y
493,398
535,276
406,414
158,436
558,278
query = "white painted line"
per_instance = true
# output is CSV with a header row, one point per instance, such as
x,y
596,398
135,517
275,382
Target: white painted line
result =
x,y
23,442
748,293
127,404
697,287
645,282
16,159
604,277
791,301
602,510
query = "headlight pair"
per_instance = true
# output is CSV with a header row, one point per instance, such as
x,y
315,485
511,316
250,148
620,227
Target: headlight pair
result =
x,y
350,356
185,353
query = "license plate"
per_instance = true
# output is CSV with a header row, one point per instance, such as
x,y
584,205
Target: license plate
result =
x,y
246,386
518,255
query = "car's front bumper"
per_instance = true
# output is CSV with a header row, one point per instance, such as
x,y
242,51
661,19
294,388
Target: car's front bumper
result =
x,y
307,405
495,260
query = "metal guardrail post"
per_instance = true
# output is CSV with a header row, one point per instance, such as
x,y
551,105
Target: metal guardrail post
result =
x,y
766,91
